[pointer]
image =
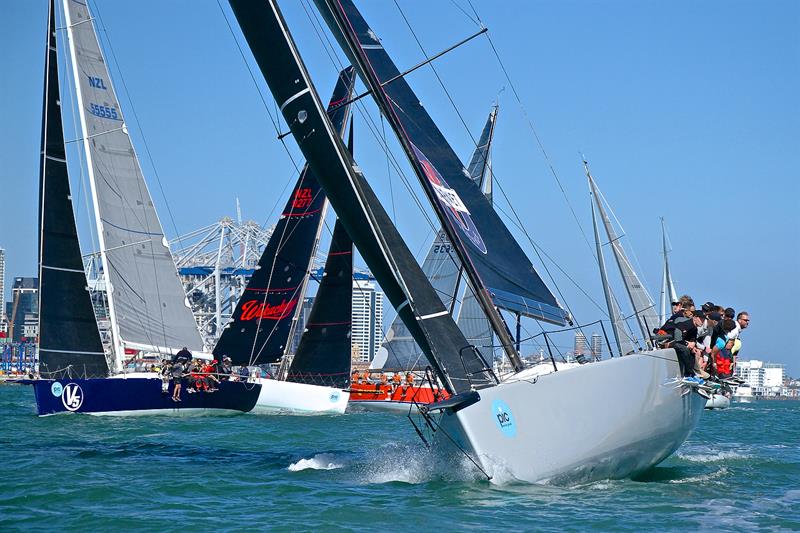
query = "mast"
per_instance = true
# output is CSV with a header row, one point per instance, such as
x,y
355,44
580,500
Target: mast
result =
x,y
617,321
457,201
642,303
69,339
459,367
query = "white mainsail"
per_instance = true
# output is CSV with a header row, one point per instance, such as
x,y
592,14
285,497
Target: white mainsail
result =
x,y
147,305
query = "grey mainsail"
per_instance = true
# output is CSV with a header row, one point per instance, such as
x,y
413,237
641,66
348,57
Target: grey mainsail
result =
x,y
444,272
642,303
147,305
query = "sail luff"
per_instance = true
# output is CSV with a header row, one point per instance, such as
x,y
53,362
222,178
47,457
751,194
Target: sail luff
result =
x,y
445,200
364,218
69,339
642,303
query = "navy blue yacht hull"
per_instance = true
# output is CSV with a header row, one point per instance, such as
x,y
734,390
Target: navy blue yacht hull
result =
x,y
138,396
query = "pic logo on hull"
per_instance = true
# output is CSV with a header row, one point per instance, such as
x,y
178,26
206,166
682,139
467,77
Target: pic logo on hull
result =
x,y
504,418
334,397
56,389
72,397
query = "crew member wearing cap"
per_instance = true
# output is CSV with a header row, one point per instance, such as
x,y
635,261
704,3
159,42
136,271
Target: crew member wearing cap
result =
x,y
224,368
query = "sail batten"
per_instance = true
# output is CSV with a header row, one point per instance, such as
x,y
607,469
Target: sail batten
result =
x,y
69,340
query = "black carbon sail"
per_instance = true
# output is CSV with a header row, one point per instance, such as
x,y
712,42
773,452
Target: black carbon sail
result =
x,y
391,262
444,272
323,356
261,324
492,258
69,340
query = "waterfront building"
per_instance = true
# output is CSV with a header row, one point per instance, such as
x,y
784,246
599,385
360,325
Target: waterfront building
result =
x,y
580,344
24,318
2,287
367,333
765,379
597,346
305,311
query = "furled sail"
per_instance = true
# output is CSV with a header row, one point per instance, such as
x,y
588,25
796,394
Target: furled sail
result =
x,y
475,230
459,367
323,356
443,270
641,302
147,304
69,340
261,324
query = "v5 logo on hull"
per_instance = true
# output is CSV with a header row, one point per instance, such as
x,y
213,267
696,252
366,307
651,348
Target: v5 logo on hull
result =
x,y
72,397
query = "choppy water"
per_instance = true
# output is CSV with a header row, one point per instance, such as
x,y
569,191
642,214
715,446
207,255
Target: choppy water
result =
x,y
739,471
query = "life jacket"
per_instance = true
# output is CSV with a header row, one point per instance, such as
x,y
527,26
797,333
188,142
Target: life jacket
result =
x,y
724,362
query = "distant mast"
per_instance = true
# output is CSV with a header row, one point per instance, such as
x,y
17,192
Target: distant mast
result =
x,y
668,292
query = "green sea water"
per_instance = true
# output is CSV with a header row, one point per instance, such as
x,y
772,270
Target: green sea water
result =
x,y
740,471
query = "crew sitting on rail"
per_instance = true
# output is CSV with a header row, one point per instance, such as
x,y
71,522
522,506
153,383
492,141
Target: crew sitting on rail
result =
x,y
224,368
365,376
355,378
396,380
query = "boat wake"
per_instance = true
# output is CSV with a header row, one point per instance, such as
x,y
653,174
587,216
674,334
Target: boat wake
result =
x,y
712,457
716,474
321,461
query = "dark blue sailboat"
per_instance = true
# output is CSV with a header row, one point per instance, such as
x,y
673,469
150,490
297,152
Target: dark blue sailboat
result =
x,y
72,359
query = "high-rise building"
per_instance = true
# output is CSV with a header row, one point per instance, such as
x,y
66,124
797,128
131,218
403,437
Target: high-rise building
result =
x,y
580,344
24,319
305,311
2,285
597,346
765,379
367,332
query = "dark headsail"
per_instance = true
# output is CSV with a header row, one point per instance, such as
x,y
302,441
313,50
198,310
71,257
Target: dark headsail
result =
x,y
444,272
262,321
364,218
68,334
323,357
496,261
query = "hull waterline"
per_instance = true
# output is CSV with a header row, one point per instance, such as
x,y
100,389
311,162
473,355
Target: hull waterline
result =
x,y
607,420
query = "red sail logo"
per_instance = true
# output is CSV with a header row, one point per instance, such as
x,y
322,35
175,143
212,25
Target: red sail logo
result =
x,y
253,309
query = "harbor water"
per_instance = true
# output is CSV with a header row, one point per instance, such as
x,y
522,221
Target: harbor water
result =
x,y
739,471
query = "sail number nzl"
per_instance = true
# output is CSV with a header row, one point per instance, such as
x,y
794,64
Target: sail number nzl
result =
x,y
103,111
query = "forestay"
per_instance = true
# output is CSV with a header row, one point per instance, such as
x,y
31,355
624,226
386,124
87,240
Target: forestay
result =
x,y
147,303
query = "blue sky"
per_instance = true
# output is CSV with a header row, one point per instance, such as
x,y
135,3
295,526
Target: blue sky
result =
x,y
687,110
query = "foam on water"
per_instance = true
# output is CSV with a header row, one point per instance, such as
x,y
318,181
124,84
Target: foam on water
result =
x,y
712,457
716,474
321,461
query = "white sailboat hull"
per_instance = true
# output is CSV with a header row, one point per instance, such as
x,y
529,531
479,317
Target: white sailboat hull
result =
x,y
605,420
718,401
286,397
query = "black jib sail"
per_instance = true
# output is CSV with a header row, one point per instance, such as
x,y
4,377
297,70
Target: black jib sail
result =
x,y
69,340
476,231
323,356
261,324
364,218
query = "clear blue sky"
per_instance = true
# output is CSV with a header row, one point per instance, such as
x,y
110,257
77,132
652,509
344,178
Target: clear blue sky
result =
x,y
687,110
